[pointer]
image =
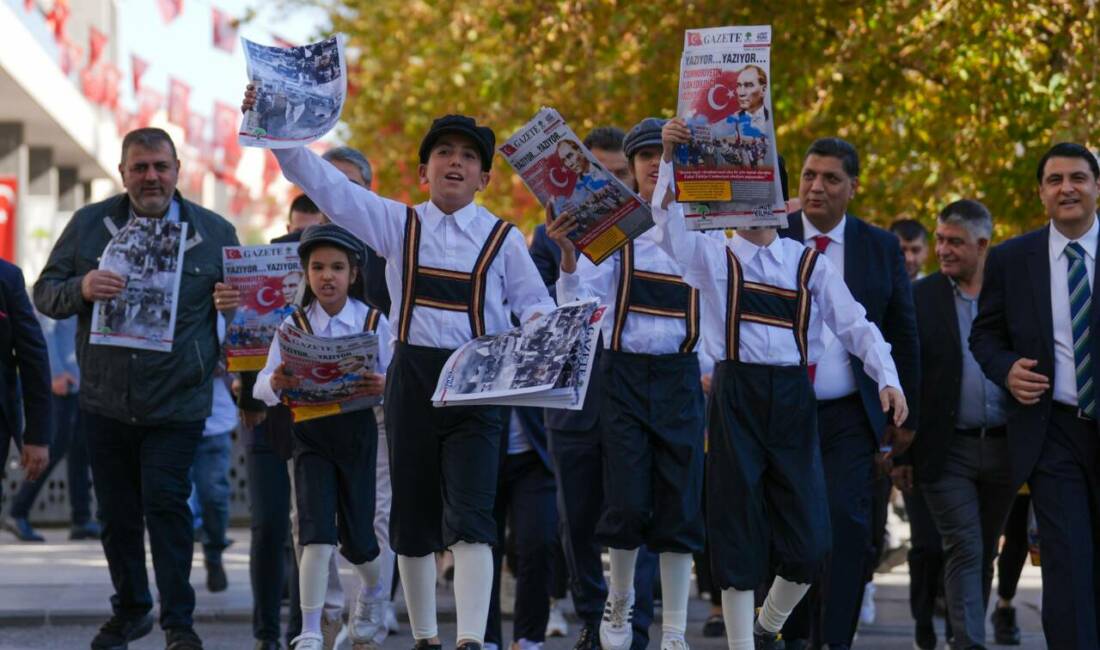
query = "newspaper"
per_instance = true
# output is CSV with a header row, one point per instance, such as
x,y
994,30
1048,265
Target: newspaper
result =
x,y
332,372
545,363
148,254
300,92
560,171
728,176
268,278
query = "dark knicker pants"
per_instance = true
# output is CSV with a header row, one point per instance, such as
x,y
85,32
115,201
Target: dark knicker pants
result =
x,y
142,481
653,428
925,558
830,611
269,502
443,461
765,483
1065,491
68,441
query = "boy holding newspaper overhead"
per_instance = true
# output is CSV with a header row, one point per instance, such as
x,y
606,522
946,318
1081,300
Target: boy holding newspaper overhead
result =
x,y
455,272
765,481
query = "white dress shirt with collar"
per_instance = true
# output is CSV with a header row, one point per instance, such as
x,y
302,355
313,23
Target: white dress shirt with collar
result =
x,y
834,377
1065,374
447,241
348,321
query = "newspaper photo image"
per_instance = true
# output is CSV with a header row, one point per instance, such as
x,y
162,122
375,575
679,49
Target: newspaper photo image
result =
x,y
300,92
333,372
728,175
269,278
561,172
545,362
148,254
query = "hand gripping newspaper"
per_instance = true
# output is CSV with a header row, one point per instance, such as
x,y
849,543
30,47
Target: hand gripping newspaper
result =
x,y
300,92
546,362
728,176
148,254
269,279
561,172
333,372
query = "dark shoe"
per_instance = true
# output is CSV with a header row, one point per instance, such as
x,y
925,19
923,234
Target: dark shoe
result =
x,y
22,529
118,632
714,627
90,530
796,644
423,644
589,639
1005,630
924,637
470,645
182,638
216,580
267,645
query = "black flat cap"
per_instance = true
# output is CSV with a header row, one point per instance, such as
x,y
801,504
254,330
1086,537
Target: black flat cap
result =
x,y
646,133
332,235
484,138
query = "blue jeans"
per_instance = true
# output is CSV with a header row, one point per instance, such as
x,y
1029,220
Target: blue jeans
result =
x,y
210,498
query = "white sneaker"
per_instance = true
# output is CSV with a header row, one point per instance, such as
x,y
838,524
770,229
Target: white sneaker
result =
x,y
615,630
308,641
368,619
556,625
674,642
867,609
391,619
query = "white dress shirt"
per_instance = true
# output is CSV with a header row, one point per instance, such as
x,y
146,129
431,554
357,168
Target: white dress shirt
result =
x,y
643,333
447,241
1065,366
704,264
833,378
348,321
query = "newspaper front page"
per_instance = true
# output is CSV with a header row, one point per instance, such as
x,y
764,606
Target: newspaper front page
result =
x,y
300,92
728,175
148,254
561,172
333,372
544,363
269,278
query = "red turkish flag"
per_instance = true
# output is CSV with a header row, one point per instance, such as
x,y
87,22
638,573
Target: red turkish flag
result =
x,y
224,30
28,5
57,18
111,78
9,200
560,180
149,102
91,84
97,40
268,296
324,373
125,121
196,129
178,95
170,9
71,54
225,136
719,101
137,69
239,201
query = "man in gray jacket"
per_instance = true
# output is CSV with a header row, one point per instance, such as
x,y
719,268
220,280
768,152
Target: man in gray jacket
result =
x,y
144,410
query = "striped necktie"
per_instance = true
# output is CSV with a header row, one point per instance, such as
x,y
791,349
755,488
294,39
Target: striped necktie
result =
x,y
1080,310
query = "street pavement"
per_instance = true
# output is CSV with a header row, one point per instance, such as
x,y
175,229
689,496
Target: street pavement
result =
x,y
55,595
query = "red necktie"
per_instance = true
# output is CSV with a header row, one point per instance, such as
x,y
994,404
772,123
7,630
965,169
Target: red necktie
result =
x,y
821,242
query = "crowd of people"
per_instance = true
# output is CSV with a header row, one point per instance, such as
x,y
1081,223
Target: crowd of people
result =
x,y
758,396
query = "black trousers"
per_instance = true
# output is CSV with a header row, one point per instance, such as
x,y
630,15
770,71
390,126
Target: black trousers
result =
x,y
925,559
269,501
1014,551
68,441
142,481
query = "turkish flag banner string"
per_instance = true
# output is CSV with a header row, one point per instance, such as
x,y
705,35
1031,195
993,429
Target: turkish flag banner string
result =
x,y
97,40
269,278
224,30
138,66
178,95
170,9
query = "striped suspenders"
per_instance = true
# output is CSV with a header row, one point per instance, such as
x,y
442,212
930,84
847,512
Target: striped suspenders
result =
x,y
655,294
301,321
764,304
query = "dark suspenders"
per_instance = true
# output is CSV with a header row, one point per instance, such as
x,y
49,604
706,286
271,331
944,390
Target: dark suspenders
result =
x,y
442,288
764,304
655,294
301,321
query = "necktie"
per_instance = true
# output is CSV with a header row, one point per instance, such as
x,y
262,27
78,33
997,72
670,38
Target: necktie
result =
x,y
821,242
1080,310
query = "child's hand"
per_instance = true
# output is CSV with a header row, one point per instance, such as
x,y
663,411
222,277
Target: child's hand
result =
x,y
282,379
674,132
373,383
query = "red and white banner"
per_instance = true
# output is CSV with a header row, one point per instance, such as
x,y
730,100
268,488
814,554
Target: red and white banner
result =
x,y
149,102
178,95
9,193
224,30
97,40
138,66
170,9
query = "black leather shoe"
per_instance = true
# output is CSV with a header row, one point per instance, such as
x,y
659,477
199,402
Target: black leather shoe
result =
x,y
1005,630
90,530
267,645
216,580
423,644
924,637
588,640
118,632
22,529
469,645
714,627
182,638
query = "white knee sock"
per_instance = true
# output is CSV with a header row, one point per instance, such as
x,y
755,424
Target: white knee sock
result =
x,y
385,571
370,574
782,598
622,569
737,609
418,581
473,587
312,583
675,588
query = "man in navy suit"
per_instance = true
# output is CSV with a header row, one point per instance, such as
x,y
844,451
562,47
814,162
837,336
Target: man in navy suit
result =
x,y
24,367
1035,334
851,423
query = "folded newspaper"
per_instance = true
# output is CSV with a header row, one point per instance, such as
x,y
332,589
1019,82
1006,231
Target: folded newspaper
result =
x,y
333,372
728,175
300,92
268,278
546,362
560,171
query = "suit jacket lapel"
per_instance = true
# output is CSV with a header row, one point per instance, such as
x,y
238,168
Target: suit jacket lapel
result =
x,y
855,257
1038,261
948,312
794,227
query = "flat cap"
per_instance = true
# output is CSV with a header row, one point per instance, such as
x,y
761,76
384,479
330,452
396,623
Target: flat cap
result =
x,y
646,133
484,138
333,235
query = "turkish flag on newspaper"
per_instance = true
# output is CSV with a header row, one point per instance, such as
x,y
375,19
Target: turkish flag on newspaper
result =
x,y
196,129
149,102
268,296
138,66
560,180
170,9
719,101
178,94
225,30
97,40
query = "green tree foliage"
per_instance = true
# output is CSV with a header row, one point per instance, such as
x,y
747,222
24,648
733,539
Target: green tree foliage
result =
x,y
944,99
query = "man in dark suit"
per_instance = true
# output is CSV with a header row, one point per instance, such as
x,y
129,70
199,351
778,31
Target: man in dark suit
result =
x,y
960,454
1035,335
24,368
851,423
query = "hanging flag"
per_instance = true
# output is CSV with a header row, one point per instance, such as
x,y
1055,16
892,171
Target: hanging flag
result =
x,y
149,102
97,40
9,200
138,66
170,9
178,95
226,127
125,120
225,30
239,201
111,78
195,132
71,55
28,5
57,18
91,84
271,169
